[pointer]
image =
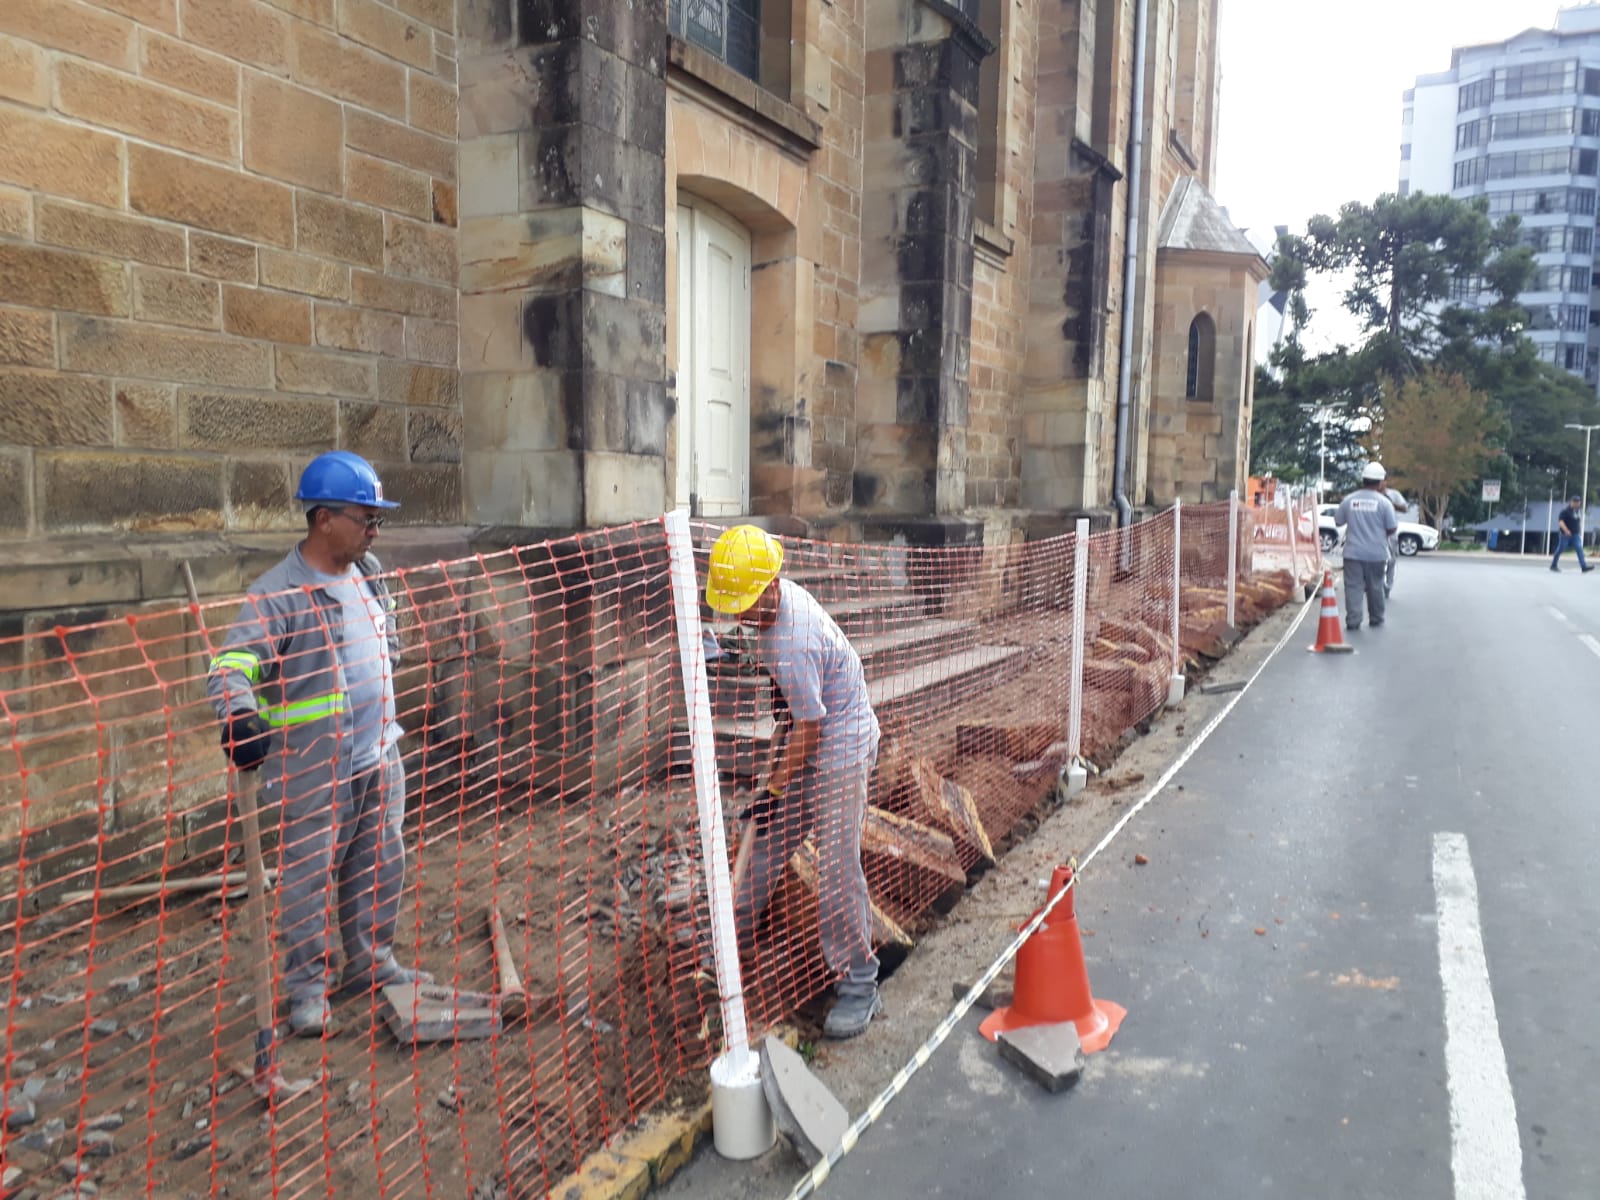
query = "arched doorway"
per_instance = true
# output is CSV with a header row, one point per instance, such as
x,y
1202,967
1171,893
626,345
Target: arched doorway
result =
x,y
713,324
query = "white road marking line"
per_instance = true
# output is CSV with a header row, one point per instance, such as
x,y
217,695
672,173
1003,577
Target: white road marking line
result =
x,y
1558,614
1485,1150
1594,646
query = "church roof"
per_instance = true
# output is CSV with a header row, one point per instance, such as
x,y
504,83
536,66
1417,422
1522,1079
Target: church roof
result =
x,y
1192,220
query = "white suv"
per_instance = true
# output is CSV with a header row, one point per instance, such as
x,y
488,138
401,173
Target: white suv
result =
x,y
1414,538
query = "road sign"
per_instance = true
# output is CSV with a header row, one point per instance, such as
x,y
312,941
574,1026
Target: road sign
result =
x,y
1491,491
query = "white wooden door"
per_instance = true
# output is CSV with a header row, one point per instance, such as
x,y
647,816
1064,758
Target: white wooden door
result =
x,y
713,363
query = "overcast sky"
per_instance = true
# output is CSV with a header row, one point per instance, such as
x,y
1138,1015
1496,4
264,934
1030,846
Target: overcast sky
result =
x,y
1310,113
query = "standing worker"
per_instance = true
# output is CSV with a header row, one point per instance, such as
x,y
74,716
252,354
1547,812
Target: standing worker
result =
x,y
820,783
304,685
1371,521
1399,503
1571,521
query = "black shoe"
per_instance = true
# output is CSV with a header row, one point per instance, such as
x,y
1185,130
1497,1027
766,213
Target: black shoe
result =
x,y
1352,626
1555,568
1377,624
1586,570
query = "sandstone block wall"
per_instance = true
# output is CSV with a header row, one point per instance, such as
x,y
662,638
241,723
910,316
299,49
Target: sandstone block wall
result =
x,y
227,243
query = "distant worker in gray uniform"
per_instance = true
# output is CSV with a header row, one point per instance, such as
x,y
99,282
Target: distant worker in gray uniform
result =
x,y
304,687
1371,522
819,785
1399,502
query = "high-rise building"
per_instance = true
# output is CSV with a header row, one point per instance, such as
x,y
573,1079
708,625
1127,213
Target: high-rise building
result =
x,y
1518,122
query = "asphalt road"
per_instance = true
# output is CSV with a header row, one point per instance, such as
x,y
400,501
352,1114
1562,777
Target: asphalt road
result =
x,y
1296,1028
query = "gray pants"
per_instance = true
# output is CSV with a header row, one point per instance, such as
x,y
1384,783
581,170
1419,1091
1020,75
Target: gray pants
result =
x,y
830,804
1394,557
1363,589
352,850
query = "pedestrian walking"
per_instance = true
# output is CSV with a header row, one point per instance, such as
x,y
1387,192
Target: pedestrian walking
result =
x,y
304,688
1571,521
1370,521
819,784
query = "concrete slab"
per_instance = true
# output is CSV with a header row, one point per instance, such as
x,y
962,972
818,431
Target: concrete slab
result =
x,y
424,1012
805,1110
1050,1055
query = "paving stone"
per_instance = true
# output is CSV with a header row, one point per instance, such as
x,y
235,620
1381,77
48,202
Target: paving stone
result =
x,y
808,1113
1051,1055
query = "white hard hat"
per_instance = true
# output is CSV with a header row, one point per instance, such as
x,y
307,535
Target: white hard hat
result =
x,y
1373,472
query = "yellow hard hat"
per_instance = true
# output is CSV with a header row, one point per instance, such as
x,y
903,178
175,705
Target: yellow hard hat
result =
x,y
744,562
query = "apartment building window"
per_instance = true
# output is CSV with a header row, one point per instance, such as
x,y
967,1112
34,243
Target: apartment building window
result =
x,y
1549,352
1557,239
1405,151
1541,123
729,29
1537,79
1469,134
1469,172
1591,82
1519,163
1405,188
1475,95
1574,316
1575,357
1591,122
1579,279
1542,200
1547,279
1466,288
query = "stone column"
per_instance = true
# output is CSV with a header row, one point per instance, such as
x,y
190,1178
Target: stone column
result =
x,y
916,290
1069,375
563,261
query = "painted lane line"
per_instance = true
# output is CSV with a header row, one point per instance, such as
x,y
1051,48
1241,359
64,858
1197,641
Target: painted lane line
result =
x,y
1558,615
1593,646
1485,1148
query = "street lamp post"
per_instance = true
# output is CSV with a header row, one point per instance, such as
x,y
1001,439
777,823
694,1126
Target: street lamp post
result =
x,y
1583,509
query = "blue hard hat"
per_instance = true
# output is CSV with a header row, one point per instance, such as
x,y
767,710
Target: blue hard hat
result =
x,y
339,477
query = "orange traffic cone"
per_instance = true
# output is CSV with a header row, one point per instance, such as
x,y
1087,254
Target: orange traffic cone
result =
x,y
1053,983
1330,638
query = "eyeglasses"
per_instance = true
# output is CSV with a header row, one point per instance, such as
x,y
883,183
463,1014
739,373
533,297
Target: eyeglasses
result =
x,y
372,523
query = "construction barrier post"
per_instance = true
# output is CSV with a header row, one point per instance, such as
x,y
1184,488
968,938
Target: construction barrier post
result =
x,y
1175,685
1233,556
1077,774
737,1098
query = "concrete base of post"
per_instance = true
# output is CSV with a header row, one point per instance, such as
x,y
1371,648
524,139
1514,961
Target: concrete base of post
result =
x,y
741,1120
1075,780
1175,687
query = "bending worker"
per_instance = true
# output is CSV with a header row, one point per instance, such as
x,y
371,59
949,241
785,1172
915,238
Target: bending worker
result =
x,y
819,785
1371,521
304,687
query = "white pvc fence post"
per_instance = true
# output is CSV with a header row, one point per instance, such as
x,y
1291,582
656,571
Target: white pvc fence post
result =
x,y
708,790
1233,554
1175,685
1291,512
1077,774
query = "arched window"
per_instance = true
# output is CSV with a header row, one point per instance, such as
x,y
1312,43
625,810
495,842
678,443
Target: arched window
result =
x,y
1202,358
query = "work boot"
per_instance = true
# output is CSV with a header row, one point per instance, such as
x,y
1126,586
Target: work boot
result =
x,y
851,1015
310,1017
380,975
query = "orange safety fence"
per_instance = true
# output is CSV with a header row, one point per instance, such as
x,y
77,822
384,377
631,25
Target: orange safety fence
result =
x,y
545,743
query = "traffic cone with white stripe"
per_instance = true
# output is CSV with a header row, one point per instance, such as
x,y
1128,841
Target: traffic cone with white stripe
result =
x,y
1330,638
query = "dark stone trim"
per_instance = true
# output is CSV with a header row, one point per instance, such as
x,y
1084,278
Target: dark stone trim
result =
x,y
1101,164
965,32
1175,140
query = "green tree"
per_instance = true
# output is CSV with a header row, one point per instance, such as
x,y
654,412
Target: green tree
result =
x,y
1435,432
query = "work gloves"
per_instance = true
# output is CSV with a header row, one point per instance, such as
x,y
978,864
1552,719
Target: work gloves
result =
x,y
244,738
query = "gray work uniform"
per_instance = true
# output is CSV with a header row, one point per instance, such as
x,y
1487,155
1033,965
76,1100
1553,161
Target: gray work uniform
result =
x,y
821,678
1370,518
292,657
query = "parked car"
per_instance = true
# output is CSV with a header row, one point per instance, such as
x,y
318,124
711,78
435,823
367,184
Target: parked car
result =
x,y
1414,537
